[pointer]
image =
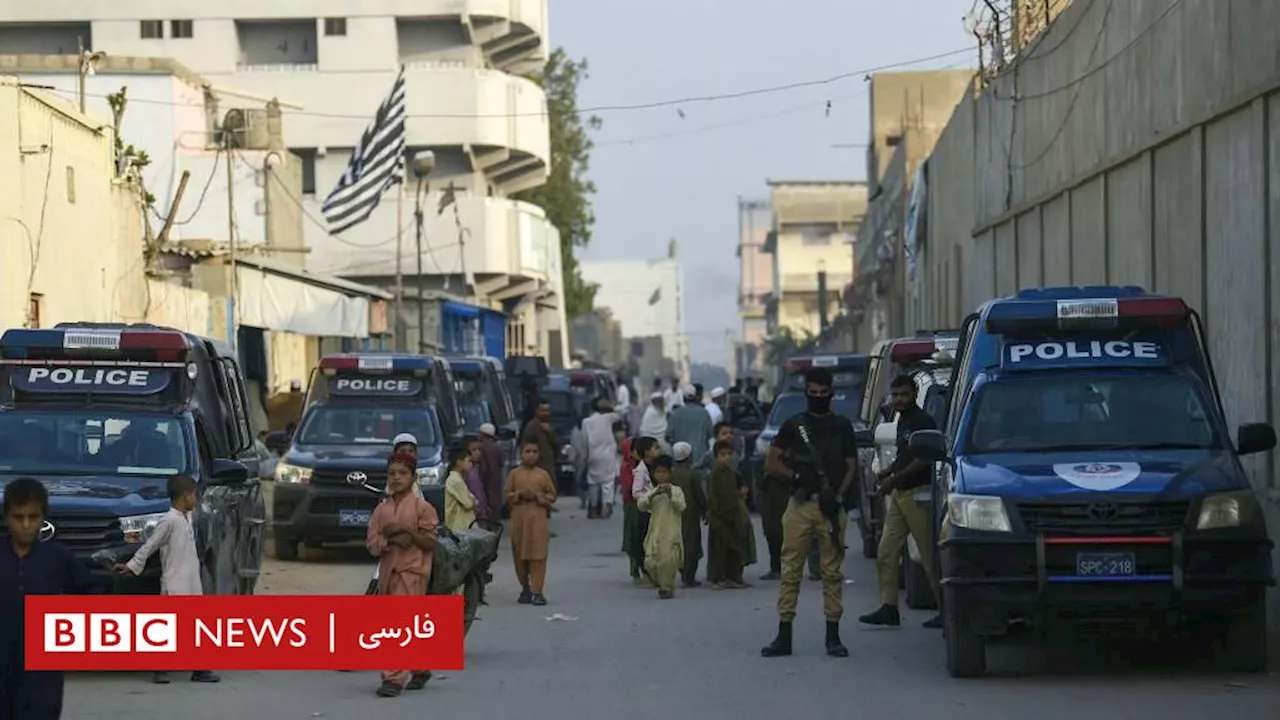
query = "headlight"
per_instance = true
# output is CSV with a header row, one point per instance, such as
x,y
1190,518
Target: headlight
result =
x,y
978,512
292,474
1226,510
429,476
137,528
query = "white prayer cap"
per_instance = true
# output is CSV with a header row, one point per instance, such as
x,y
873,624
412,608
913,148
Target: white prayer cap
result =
x,y
689,391
656,396
681,451
488,429
718,392
404,438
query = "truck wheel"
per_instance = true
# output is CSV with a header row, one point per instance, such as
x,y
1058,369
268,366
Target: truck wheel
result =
x,y
1244,637
286,549
919,593
966,649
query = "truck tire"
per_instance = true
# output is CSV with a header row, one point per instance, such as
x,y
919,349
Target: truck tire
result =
x,y
919,593
966,649
1244,637
286,549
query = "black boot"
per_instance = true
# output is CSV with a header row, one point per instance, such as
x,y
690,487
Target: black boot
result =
x,y
781,645
835,648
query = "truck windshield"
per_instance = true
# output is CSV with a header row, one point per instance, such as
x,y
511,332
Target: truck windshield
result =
x,y
475,412
1045,414
91,442
365,425
789,405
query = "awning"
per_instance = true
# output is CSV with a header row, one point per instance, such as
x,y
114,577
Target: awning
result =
x,y
274,295
461,310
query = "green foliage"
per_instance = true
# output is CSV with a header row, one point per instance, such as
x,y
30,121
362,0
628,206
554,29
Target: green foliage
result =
x,y
567,195
128,158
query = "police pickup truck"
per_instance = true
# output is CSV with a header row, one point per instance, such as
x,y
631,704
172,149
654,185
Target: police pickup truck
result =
x,y
1089,474
355,405
103,415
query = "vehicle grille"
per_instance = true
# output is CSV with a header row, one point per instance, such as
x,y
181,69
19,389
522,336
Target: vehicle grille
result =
x,y
83,534
1093,519
331,505
339,477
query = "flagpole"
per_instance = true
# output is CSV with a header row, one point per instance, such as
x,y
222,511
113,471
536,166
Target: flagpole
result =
x,y
401,326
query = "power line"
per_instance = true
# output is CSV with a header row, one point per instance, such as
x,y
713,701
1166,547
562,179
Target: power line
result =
x,y
631,107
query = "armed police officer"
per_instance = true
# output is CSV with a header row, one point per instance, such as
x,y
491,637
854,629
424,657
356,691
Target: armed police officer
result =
x,y
815,454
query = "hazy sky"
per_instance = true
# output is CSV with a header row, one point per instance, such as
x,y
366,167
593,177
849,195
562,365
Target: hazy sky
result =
x,y
659,176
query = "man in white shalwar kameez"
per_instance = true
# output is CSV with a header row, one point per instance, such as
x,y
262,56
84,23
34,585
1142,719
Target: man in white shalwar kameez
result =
x,y
654,422
601,448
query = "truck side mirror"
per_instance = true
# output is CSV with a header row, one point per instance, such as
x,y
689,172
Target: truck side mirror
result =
x,y
930,445
1255,438
277,441
228,472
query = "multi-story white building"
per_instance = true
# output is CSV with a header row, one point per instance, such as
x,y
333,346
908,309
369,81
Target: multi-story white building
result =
x,y
647,298
330,64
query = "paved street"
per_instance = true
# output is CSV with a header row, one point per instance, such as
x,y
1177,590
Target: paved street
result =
x,y
698,656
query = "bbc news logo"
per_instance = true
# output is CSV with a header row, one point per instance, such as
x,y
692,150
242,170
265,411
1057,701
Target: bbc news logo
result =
x,y
111,632
122,632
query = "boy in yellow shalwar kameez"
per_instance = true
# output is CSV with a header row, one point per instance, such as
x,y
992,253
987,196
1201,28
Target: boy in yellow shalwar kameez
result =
x,y
664,543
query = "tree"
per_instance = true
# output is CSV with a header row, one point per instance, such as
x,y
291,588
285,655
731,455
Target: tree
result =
x,y
566,197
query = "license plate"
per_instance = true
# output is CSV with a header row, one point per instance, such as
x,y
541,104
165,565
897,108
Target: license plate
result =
x,y
1106,564
354,518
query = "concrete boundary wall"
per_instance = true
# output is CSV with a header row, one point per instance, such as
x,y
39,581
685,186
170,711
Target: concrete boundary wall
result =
x,y
1143,149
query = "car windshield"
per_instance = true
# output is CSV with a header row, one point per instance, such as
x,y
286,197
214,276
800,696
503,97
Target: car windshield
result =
x,y
91,442
365,425
474,414
1081,413
789,405
562,404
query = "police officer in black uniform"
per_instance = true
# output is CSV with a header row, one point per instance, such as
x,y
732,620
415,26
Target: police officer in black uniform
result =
x,y
815,454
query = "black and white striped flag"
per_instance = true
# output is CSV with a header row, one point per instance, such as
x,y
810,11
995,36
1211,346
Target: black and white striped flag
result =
x,y
377,163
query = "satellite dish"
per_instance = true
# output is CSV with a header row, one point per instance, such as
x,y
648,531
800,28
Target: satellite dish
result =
x,y
233,128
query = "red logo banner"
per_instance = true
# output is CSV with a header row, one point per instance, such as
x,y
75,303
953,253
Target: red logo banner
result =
x,y
267,632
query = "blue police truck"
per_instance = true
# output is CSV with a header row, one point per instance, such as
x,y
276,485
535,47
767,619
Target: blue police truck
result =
x,y
1089,474
355,406
103,415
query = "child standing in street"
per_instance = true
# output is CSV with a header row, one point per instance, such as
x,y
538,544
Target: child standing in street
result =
x,y
684,477
459,502
664,543
531,493
647,451
175,538
725,518
402,534
630,514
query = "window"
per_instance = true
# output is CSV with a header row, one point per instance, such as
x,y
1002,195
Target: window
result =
x,y
335,26
308,158
893,140
89,442
180,28
152,29
365,425
71,185
1044,414
34,305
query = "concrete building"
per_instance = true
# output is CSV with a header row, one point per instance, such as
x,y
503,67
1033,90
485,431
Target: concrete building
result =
x,y
755,284
467,99
597,337
909,111
811,241
647,298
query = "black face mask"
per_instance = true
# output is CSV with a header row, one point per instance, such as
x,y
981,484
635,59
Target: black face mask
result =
x,y
819,405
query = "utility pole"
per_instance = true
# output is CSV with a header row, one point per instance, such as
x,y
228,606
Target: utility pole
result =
x,y
83,70
423,164
228,147
401,326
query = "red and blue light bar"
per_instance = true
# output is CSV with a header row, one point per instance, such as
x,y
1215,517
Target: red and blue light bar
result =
x,y
1100,313
168,345
417,364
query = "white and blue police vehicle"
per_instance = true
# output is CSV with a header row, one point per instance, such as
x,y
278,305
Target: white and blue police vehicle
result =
x,y
103,415
1089,474
356,404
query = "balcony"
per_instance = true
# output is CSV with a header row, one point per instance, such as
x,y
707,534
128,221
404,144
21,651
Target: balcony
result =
x,y
808,282
499,118
504,240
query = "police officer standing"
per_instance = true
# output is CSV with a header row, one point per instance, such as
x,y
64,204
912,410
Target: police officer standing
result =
x,y
815,454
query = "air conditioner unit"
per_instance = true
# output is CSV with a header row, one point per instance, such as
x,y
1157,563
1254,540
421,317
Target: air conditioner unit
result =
x,y
245,129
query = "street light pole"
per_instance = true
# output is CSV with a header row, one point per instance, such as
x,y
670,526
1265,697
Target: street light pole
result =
x,y
423,164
